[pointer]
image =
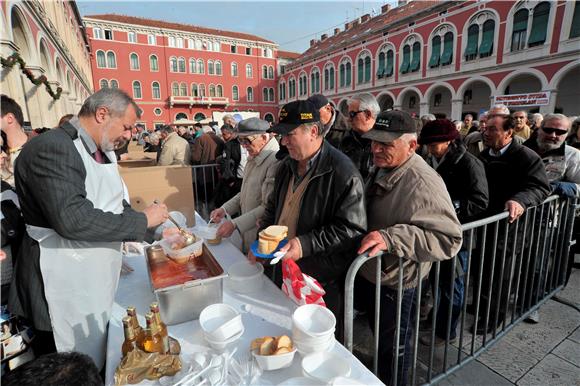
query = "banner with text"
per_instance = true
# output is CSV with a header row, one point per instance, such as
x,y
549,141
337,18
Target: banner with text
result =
x,y
541,98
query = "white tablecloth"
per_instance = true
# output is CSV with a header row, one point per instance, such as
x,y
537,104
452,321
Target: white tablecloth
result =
x,y
267,312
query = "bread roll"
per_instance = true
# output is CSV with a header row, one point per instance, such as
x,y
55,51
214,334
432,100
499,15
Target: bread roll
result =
x,y
283,350
267,346
283,341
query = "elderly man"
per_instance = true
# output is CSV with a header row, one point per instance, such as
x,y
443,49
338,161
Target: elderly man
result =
x,y
75,206
521,128
536,121
231,163
362,112
333,122
257,184
466,125
410,215
174,149
318,195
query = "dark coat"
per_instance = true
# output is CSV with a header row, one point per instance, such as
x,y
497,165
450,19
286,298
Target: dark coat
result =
x,y
358,149
464,177
518,175
206,149
338,130
332,213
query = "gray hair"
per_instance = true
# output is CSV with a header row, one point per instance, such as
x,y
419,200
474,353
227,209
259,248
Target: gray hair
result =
x,y
535,116
319,126
501,107
555,116
166,129
408,137
367,102
114,99
428,117
153,137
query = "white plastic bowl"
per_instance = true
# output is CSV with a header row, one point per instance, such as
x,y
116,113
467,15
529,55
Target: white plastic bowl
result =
x,y
325,366
274,362
305,348
314,320
245,277
220,322
220,345
297,334
181,255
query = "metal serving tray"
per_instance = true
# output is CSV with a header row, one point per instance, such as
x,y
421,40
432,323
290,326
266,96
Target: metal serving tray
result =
x,y
185,297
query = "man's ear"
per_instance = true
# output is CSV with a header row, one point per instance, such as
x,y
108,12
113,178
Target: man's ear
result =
x,y
101,114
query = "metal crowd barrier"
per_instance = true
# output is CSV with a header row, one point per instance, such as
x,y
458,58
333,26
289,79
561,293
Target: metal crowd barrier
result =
x,y
510,271
205,179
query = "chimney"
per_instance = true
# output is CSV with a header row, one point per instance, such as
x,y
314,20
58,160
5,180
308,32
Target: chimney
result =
x,y
323,37
336,31
365,18
385,8
401,3
347,26
312,42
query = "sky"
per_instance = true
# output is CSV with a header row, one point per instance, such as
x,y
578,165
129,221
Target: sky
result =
x,y
288,23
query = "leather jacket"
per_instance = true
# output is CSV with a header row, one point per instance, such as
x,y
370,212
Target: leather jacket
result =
x,y
332,215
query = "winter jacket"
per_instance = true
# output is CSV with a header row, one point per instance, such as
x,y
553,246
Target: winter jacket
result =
x,y
358,149
332,213
206,149
175,151
562,164
339,127
412,209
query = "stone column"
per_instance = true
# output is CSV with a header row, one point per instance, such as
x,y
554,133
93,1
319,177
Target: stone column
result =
x,y
456,109
549,108
423,108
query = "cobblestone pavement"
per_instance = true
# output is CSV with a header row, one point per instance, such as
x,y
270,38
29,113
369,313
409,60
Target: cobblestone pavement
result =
x,y
547,353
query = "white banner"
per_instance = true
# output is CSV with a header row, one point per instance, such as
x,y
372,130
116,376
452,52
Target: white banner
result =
x,y
540,98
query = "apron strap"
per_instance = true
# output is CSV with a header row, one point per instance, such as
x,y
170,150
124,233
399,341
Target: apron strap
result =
x,y
70,130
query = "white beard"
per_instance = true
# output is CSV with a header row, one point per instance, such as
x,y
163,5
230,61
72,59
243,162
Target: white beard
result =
x,y
546,146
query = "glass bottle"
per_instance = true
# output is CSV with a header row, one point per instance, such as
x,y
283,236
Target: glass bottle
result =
x,y
130,342
154,307
152,341
137,329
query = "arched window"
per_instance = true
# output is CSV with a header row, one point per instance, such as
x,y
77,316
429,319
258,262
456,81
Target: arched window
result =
x,y
219,91
265,95
180,116
136,89
539,24
175,89
197,44
271,94
575,27
249,72
153,63
200,66
199,117
315,81
194,90
271,72
111,60
114,84
218,67
360,70
212,91
281,92
250,94
192,67
364,69
234,69
210,68
292,88
217,48
155,90
520,29
345,74
104,83
472,42
264,72
183,89
134,61
202,90
235,94
101,62
181,64
173,64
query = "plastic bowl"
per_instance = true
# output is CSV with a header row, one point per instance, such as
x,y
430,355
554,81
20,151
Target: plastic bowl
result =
x,y
301,336
220,322
181,255
220,345
314,320
274,362
245,277
325,366
208,232
305,348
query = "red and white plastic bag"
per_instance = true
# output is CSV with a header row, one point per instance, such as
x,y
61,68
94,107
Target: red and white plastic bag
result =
x,y
299,287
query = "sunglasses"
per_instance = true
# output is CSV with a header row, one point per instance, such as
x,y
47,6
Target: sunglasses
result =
x,y
551,130
247,140
353,114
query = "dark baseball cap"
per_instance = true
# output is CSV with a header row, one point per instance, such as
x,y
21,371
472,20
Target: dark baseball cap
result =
x,y
318,100
295,114
390,125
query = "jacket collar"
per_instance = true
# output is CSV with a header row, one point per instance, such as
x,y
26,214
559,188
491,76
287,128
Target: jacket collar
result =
x,y
392,177
532,143
271,146
323,164
454,154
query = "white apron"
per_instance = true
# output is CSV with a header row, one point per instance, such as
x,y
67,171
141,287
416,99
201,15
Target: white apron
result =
x,y
80,278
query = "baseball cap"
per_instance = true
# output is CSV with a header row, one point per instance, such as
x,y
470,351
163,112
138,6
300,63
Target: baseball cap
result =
x,y
390,125
318,100
295,114
252,126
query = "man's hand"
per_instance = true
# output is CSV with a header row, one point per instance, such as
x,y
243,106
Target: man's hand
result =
x,y
156,214
293,249
217,215
226,229
251,257
515,210
373,241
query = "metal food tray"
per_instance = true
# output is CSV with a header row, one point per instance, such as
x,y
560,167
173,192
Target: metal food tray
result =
x,y
184,301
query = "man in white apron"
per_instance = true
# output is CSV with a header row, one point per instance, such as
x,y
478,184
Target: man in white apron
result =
x,y
76,210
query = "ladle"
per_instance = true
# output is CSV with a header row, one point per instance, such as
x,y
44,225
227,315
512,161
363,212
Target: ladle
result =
x,y
189,238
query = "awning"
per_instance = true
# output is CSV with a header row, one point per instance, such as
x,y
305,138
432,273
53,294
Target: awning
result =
x,y
406,62
416,62
436,52
447,56
472,38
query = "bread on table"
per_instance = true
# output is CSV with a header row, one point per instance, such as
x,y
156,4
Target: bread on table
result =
x,y
269,238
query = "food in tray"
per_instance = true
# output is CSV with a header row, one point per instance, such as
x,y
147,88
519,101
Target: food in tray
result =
x,y
272,345
269,238
181,242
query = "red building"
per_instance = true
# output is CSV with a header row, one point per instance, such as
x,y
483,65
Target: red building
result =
x,y
452,57
183,72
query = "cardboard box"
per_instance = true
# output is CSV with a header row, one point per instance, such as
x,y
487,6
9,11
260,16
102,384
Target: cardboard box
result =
x,y
171,185
136,163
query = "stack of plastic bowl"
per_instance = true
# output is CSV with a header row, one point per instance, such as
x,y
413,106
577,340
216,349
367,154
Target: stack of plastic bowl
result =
x,y
313,328
221,325
245,277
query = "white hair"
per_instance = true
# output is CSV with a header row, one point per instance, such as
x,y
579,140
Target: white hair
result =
x,y
557,117
367,102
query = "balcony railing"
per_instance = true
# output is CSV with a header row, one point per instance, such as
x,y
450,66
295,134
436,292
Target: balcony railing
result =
x,y
191,101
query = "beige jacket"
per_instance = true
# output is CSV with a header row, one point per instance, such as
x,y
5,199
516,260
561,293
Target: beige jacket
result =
x,y
175,151
412,209
257,184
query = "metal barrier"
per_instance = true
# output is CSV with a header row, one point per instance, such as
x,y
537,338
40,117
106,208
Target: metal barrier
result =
x,y
205,179
507,276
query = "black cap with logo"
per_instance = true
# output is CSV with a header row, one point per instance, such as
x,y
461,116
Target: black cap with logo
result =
x,y
390,125
295,114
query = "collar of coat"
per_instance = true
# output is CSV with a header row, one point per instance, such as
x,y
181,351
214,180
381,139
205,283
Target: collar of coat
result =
x,y
392,177
268,148
324,163
532,143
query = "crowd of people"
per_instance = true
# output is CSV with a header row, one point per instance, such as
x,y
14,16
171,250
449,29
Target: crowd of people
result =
x,y
366,181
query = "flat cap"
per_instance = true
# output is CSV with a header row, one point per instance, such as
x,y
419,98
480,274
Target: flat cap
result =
x,y
252,126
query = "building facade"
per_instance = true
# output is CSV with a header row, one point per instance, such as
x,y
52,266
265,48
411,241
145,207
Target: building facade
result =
x,y
46,65
179,72
452,57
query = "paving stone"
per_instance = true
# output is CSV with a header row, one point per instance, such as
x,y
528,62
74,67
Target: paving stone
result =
x,y
570,351
575,336
475,374
551,371
508,360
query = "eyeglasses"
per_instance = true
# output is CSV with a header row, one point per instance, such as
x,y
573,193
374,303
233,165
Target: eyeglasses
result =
x,y
551,130
353,114
247,141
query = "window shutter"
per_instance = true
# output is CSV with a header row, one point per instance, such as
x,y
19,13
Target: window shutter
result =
x,y
390,63
539,24
575,29
487,40
381,66
435,52
416,62
406,59
472,40
447,56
